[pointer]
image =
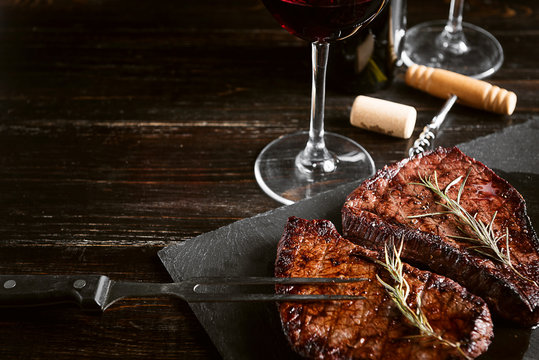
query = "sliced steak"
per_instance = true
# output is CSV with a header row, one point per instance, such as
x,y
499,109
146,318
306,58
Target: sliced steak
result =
x,y
382,205
372,328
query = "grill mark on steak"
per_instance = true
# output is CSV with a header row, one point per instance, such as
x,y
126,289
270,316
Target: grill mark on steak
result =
x,y
380,207
372,328
308,318
335,330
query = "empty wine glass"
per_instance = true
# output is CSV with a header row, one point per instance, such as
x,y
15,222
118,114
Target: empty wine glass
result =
x,y
305,163
453,45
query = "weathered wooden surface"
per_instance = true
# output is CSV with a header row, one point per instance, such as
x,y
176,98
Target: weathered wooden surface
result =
x,y
128,125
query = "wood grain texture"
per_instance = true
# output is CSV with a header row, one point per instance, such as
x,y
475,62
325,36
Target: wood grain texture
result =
x,y
128,125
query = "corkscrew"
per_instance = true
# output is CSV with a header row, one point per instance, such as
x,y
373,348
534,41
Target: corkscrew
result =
x,y
452,86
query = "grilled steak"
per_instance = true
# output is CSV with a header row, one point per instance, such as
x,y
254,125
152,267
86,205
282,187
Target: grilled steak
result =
x,y
372,328
382,206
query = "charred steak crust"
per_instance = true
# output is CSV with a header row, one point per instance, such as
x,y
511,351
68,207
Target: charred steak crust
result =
x,y
380,207
372,328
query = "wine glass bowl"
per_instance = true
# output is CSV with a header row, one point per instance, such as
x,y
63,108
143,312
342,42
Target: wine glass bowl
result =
x,y
323,20
303,164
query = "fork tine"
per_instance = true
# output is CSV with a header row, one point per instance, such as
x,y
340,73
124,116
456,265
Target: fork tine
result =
x,y
194,293
254,280
204,297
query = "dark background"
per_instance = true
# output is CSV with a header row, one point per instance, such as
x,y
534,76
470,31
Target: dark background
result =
x,y
126,126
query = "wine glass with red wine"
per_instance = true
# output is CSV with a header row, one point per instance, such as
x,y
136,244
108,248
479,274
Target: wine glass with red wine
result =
x,y
303,164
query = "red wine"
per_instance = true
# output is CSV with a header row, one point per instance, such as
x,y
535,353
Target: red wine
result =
x,y
323,20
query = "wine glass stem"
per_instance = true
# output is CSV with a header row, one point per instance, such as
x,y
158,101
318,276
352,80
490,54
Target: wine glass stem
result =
x,y
454,23
315,158
452,37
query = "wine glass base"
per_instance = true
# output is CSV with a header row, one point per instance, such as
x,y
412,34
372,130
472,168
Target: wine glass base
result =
x,y
277,174
481,54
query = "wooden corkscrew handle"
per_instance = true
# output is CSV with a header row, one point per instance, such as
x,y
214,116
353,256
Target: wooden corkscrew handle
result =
x,y
471,92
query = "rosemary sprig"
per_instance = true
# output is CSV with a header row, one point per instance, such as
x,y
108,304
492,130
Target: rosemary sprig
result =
x,y
484,237
399,294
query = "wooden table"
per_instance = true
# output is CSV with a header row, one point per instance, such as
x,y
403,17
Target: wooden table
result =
x,y
126,126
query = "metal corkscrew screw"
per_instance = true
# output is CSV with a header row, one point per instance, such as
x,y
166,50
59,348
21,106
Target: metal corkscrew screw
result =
x,y
425,139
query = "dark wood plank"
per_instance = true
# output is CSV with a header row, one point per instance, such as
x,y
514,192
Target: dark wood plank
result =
x,y
128,125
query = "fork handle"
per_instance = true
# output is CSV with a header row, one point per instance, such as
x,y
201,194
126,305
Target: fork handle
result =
x,y
39,290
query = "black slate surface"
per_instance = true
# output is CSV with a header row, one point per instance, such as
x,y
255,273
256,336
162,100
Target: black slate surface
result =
x,y
516,149
248,247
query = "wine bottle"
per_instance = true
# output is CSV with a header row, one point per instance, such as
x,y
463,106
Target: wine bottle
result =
x,y
364,62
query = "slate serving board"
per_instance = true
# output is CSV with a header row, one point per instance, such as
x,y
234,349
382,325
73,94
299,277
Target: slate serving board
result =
x,y
248,248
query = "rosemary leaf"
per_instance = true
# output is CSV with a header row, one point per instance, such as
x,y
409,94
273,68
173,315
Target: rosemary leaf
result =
x,y
427,215
399,294
483,233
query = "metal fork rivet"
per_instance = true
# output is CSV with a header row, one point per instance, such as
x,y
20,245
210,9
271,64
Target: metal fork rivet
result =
x,y
10,284
79,284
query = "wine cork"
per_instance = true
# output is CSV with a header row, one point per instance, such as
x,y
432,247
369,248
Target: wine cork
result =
x,y
471,92
383,116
